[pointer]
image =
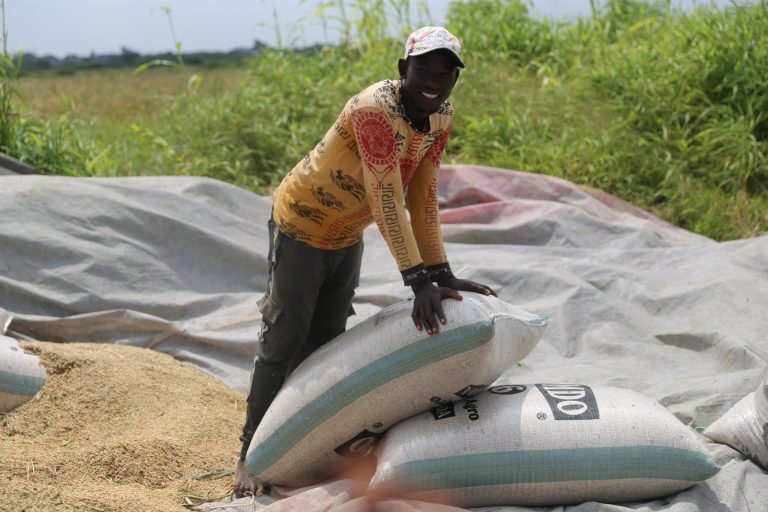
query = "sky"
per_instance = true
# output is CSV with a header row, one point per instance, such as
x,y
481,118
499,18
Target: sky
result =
x,y
82,27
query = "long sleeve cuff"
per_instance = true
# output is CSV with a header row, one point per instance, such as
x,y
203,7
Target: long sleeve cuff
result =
x,y
415,275
439,271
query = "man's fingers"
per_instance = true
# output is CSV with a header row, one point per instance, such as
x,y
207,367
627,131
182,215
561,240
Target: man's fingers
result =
x,y
481,288
438,310
452,294
429,322
421,320
487,290
428,311
426,318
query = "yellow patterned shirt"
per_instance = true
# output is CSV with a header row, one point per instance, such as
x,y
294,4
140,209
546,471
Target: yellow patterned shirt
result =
x,y
369,165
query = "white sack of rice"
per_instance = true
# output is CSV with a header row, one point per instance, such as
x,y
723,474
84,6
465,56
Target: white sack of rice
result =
x,y
539,445
745,426
21,375
336,404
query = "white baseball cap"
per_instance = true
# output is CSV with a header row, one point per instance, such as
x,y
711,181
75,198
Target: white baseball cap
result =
x,y
429,39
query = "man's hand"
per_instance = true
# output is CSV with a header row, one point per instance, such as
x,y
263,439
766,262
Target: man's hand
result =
x,y
465,285
427,310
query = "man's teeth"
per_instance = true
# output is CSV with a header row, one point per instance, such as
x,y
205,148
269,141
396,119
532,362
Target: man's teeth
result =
x,y
430,96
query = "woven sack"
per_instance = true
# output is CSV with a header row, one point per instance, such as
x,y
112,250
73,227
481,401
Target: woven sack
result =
x,y
339,401
745,426
539,445
21,375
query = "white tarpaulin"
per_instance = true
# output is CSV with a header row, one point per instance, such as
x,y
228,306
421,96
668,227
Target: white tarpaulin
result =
x,y
178,263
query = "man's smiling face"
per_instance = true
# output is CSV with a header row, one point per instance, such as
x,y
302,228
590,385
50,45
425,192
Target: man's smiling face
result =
x,y
428,81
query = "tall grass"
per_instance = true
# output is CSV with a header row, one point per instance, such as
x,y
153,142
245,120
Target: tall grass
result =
x,y
677,105
666,109
9,69
5,30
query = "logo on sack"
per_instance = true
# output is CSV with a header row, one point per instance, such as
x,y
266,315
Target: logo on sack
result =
x,y
443,411
507,389
570,401
359,446
470,405
469,391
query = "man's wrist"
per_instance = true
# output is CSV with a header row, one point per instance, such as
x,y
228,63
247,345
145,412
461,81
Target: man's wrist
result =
x,y
415,275
440,272
445,281
421,286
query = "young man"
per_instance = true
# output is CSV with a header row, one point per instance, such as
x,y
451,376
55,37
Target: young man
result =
x,y
383,152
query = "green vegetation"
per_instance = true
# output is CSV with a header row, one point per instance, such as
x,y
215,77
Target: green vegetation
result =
x,y
8,118
663,108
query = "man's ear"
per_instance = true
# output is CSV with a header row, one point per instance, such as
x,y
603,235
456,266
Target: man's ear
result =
x,y
402,67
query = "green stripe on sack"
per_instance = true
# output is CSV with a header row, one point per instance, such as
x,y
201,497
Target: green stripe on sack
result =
x,y
17,384
401,362
546,466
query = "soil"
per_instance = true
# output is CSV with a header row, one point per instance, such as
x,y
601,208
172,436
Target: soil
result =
x,y
118,428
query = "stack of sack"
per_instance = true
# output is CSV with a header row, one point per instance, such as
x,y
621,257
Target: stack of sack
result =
x,y
344,396
426,407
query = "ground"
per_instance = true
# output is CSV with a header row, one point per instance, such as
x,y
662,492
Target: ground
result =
x,y
118,428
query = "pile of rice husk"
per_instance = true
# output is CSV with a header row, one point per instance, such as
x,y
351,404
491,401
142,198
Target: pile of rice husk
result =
x,y
118,428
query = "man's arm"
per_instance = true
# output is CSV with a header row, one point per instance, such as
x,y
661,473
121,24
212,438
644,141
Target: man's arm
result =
x,y
375,138
425,221
376,143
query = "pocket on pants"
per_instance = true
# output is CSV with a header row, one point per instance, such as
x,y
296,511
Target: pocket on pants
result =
x,y
270,311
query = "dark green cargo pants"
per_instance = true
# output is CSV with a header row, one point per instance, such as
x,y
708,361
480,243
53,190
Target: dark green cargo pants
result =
x,y
308,299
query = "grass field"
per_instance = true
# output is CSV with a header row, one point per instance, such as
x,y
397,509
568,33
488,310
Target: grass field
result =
x,y
115,97
665,109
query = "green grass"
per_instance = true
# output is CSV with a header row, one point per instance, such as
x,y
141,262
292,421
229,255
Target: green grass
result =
x,y
665,109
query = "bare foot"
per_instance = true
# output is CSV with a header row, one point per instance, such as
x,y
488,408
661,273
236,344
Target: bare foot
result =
x,y
245,484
